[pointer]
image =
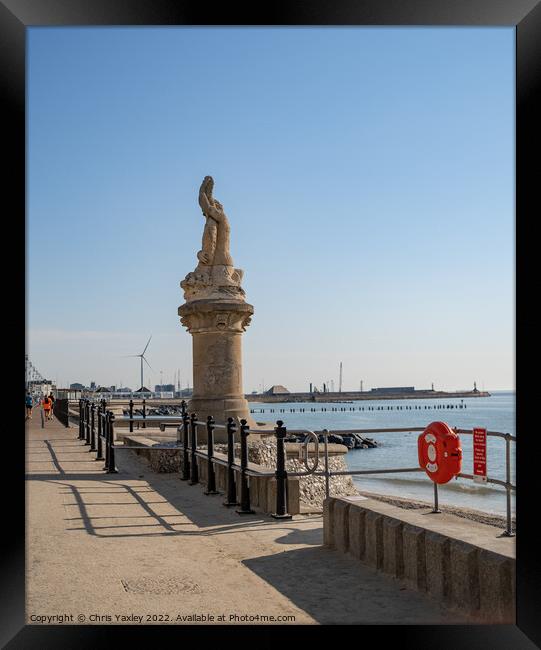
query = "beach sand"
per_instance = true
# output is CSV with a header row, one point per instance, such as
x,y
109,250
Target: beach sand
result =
x,y
498,521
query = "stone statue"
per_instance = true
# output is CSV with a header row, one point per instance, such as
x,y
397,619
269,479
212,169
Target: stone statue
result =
x,y
214,276
215,248
216,314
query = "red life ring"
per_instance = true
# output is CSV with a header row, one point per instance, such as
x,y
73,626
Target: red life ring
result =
x,y
440,454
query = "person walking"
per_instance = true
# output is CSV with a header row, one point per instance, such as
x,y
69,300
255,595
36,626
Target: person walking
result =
x,y
51,397
29,402
47,407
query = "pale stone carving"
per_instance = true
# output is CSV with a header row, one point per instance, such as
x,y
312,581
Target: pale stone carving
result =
x,y
214,276
216,315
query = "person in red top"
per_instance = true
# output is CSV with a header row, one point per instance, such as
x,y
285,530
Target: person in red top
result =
x,y
47,407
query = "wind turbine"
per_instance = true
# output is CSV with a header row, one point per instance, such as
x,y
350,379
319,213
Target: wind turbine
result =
x,y
142,357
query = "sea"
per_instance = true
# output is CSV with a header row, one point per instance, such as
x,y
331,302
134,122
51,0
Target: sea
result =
x,y
396,450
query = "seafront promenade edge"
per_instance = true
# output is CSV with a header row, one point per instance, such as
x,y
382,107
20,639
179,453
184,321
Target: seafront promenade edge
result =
x,y
102,549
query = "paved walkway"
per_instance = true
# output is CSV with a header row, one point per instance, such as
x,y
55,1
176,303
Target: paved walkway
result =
x,y
136,543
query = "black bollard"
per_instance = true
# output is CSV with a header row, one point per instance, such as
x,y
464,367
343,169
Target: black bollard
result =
x,y
80,436
244,489
231,499
92,427
106,435
87,423
211,478
185,457
67,425
111,468
101,411
144,413
281,474
131,416
194,478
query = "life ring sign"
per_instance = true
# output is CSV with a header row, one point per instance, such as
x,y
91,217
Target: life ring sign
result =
x,y
440,454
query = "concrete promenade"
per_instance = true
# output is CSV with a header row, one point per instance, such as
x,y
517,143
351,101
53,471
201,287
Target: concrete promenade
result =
x,y
102,546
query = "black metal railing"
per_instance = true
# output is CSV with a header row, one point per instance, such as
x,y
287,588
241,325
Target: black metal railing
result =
x,y
61,410
187,435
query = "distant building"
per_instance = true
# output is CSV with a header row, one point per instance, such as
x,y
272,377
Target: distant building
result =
x,y
102,389
394,389
277,389
142,392
77,386
92,385
41,386
164,388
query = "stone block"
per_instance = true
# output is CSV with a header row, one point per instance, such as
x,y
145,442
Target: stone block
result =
x,y
254,489
437,551
393,555
497,598
464,576
293,496
271,495
328,522
262,497
341,526
357,532
414,556
374,539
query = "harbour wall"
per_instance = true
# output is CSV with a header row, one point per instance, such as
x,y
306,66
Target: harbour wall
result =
x,y
358,396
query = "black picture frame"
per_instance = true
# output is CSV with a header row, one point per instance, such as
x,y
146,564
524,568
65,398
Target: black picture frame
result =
x,y
17,15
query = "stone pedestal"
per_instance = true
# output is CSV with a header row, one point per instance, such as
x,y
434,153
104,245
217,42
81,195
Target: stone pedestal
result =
x,y
216,327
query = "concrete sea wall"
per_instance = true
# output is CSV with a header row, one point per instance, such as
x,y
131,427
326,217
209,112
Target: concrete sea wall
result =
x,y
466,565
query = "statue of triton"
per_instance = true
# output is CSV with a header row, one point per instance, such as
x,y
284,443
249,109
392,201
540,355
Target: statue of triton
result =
x,y
215,276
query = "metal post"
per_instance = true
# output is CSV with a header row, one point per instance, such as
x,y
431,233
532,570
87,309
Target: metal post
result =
x,y
101,411
508,531
42,417
80,437
211,478
231,499
87,423
111,468
185,457
106,434
179,428
67,414
281,474
144,412
327,477
194,478
436,509
244,489
131,416
92,427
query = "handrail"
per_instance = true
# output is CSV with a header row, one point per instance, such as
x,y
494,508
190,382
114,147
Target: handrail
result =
x,y
188,446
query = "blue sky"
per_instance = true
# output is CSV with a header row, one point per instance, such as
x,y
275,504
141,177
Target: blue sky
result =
x,y
367,173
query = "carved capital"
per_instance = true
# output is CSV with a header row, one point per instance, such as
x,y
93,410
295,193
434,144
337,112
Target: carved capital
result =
x,y
215,316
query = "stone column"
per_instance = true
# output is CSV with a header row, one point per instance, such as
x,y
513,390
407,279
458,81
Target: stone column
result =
x,y
216,327
216,315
